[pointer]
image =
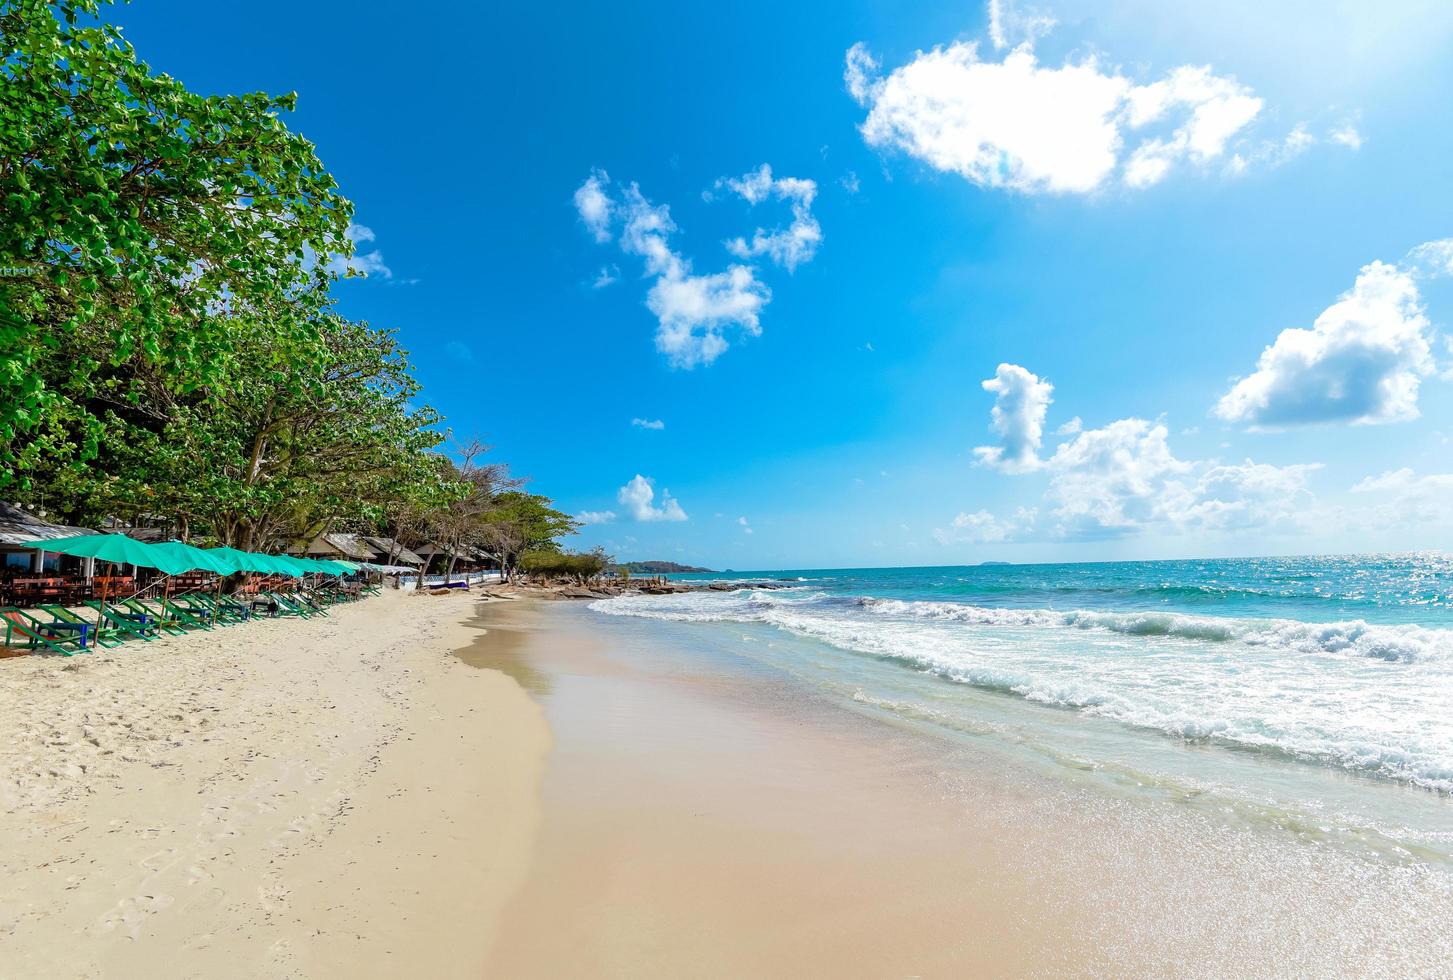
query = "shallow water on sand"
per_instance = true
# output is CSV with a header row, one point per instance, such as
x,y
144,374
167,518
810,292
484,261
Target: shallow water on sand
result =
x,y
705,795
1310,695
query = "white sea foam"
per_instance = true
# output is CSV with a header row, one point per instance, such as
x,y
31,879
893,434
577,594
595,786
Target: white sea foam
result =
x,y
1370,698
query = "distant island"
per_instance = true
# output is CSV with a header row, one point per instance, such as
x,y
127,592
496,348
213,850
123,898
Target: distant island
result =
x,y
656,568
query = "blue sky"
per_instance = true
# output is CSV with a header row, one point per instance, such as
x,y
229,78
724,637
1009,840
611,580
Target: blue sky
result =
x,y
1124,207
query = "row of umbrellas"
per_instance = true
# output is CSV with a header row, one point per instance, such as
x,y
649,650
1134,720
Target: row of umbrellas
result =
x,y
176,557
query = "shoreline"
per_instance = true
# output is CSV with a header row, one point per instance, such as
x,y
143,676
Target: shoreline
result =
x,y
709,815
448,787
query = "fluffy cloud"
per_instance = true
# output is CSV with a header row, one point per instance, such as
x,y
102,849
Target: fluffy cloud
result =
x,y
1124,478
1347,135
638,497
1410,499
982,527
1009,25
1023,126
648,423
788,246
1216,109
1362,360
693,312
1432,259
745,525
594,205
596,516
1020,402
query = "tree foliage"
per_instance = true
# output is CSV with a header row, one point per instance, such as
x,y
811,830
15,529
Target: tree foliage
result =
x,y
580,566
137,220
169,351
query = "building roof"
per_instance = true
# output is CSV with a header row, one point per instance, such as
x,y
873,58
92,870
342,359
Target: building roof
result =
x,y
350,546
20,528
393,552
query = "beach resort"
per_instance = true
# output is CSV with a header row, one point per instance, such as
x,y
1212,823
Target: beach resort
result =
x,y
650,491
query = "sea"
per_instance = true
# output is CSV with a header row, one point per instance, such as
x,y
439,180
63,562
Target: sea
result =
x,y
1312,695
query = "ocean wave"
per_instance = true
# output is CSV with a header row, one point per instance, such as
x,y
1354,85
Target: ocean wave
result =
x,y
1404,643
1316,692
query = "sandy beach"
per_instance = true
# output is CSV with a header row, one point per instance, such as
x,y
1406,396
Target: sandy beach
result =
x,y
333,797
439,787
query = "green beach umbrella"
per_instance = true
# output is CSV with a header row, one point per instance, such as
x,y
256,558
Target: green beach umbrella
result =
x,y
120,549
333,567
246,561
201,559
289,565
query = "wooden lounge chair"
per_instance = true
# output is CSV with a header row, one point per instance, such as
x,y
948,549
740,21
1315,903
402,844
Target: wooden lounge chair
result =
x,y
56,637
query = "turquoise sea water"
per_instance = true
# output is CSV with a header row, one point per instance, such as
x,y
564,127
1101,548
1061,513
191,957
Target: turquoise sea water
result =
x,y
1314,693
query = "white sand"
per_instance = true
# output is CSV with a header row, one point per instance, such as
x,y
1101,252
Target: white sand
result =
x,y
331,797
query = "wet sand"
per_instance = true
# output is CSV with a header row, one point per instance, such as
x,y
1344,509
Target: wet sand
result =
x,y
709,822
691,830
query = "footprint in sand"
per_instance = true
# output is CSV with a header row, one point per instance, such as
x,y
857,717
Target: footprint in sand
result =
x,y
160,860
130,913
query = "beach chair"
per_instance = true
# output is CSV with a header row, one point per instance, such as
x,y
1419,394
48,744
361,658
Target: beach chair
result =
x,y
312,600
62,638
287,607
123,621
193,606
102,635
227,610
165,619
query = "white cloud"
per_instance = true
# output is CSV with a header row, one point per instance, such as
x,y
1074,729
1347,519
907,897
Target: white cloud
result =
x,y
1124,478
1023,126
1010,26
1113,478
595,206
648,423
1409,500
1348,136
1071,427
608,274
360,263
746,527
788,246
1432,259
596,516
860,73
692,311
982,527
1020,402
1218,109
1362,361
638,498
849,182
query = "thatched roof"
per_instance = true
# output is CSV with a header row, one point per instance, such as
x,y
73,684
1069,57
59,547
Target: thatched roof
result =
x,y
350,546
21,529
390,547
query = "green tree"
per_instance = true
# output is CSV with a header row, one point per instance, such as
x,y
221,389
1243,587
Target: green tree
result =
x,y
137,221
